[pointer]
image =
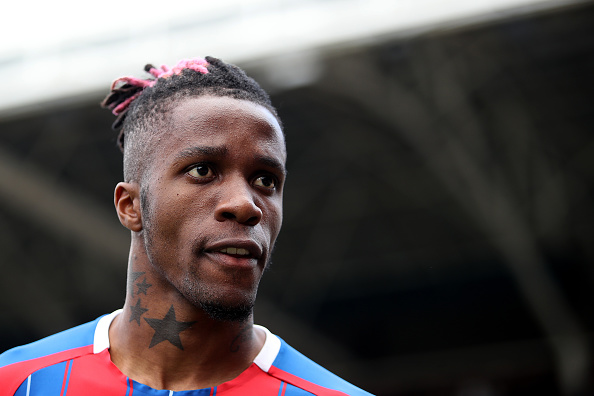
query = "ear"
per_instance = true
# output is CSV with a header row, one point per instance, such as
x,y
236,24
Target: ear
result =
x,y
127,205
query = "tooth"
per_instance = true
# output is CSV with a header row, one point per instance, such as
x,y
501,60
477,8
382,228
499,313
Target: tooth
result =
x,y
231,250
243,252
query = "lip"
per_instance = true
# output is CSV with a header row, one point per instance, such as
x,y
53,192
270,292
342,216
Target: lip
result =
x,y
254,249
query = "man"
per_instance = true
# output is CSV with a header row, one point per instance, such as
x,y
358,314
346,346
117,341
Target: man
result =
x,y
204,170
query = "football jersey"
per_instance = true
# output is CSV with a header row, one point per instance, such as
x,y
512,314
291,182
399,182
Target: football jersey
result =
x,y
77,362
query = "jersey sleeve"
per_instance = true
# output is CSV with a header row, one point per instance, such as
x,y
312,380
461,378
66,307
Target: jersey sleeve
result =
x,y
17,364
296,369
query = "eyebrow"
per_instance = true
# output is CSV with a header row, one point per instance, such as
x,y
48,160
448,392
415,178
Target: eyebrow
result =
x,y
192,152
272,163
221,151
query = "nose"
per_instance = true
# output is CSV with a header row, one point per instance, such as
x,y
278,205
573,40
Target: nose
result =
x,y
237,203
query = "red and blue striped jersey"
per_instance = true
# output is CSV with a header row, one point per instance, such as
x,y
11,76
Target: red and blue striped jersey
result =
x,y
76,362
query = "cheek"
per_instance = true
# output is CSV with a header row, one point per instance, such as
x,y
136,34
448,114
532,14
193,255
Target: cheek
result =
x,y
276,220
175,204
187,218
165,215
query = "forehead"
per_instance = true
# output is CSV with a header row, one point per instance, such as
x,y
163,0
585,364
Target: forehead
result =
x,y
212,120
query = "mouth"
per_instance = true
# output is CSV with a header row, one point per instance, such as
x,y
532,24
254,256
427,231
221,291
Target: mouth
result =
x,y
235,251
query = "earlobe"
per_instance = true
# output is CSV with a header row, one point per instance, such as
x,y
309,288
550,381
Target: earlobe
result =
x,y
127,205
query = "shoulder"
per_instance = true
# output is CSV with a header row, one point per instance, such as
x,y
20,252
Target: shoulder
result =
x,y
73,338
293,367
18,363
290,361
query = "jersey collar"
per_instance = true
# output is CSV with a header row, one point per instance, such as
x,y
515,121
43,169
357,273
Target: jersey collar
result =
x,y
264,359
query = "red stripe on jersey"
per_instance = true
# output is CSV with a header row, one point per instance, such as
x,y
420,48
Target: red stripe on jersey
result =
x,y
14,374
96,375
283,388
252,382
65,381
303,384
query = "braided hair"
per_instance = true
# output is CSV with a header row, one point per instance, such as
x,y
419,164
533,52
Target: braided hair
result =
x,y
140,104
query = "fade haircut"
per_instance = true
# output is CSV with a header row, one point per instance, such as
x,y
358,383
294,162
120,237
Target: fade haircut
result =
x,y
141,105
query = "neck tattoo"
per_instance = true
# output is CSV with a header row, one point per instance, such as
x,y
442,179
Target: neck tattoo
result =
x,y
168,329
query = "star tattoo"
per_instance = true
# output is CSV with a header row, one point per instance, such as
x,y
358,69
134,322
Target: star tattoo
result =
x,y
143,287
168,329
137,312
136,275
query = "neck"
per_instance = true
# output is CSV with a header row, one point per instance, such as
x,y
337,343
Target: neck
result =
x,y
164,341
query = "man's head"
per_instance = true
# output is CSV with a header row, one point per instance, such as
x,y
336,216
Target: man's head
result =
x,y
142,105
205,162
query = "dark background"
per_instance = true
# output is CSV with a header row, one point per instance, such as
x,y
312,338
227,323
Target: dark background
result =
x,y
438,232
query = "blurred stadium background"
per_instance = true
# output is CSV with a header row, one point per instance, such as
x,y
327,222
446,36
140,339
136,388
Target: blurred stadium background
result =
x,y
439,226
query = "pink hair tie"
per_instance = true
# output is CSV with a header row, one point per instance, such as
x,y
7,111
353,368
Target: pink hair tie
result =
x,y
125,90
196,64
119,109
132,81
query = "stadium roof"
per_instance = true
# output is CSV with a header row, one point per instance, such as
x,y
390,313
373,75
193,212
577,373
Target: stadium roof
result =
x,y
65,50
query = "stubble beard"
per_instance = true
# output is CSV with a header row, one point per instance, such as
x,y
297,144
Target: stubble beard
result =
x,y
209,299
194,290
227,313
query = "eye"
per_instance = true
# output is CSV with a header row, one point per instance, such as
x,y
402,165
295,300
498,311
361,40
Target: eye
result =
x,y
266,182
201,171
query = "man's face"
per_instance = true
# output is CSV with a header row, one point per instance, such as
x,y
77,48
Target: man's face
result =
x,y
212,201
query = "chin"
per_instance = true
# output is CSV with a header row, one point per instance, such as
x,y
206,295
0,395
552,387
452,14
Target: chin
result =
x,y
219,303
227,313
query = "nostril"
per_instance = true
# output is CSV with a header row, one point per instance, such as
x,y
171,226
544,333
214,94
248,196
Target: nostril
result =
x,y
228,215
253,220
240,209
